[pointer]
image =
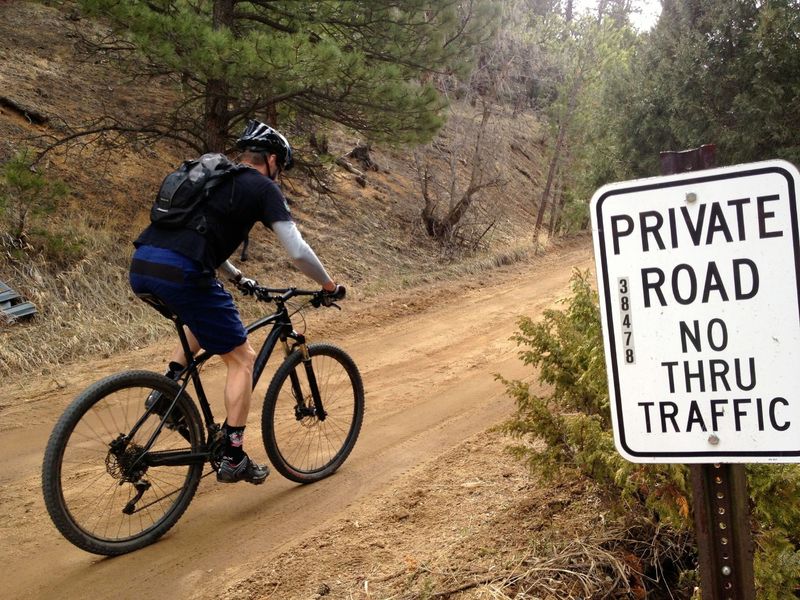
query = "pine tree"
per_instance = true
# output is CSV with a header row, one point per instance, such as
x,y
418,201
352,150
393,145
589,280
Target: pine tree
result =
x,y
361,63
718,72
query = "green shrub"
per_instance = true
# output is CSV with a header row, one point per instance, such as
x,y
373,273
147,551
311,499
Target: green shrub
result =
x,y
28,202
61,248
570,429
774,492
26,194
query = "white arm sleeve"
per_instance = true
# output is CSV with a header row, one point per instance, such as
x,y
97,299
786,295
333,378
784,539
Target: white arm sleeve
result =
x,y
300,252
228,270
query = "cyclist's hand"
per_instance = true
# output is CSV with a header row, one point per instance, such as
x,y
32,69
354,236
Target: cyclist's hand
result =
x,y
328,298
247,286
325,298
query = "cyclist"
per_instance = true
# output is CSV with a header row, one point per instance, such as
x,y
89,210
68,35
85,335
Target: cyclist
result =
x,y
180,268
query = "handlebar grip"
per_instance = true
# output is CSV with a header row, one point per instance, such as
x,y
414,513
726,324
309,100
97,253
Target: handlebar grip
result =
x,y
323,298
339,293
247,286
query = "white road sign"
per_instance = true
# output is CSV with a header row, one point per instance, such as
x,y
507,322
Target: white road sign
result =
x,y
699,282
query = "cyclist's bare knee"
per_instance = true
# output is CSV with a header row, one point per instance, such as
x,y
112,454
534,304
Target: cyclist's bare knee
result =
x,y
241,357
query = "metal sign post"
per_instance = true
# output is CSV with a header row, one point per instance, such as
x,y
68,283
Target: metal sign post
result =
x,y
699,282
721,511
722,529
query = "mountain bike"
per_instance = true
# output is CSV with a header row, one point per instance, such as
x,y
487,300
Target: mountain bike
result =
x,y
117,475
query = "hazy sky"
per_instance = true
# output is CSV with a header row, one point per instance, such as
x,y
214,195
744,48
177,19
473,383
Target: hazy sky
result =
x,y
649,15
643,21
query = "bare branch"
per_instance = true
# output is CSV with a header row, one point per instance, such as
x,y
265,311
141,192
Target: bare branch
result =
x,y
150,133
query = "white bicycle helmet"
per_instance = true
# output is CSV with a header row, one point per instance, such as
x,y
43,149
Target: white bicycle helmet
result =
x,y
259,137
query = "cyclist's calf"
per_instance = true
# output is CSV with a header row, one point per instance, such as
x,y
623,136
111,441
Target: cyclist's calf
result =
x,y
239,384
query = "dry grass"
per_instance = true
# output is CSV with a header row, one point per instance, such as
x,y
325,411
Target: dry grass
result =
x,y
611,564
85,310
581,568
88,309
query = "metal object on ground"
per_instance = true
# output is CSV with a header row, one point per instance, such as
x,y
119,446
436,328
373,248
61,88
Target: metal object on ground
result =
x,y
12,305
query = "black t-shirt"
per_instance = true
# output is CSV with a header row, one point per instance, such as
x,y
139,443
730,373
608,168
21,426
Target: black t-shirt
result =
x,y
231,211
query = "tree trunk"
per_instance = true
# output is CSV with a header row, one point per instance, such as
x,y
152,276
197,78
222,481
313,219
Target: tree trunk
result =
x,y
562,133
555,204
216,115
271,112
601,9
457,212
559,215
429,210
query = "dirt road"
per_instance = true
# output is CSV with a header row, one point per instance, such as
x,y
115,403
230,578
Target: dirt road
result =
x,y
427,360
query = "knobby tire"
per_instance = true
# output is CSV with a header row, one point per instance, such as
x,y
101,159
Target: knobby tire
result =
x,y
303,447
83,482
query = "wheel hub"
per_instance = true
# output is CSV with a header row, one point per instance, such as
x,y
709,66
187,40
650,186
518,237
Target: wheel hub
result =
x,y
122,460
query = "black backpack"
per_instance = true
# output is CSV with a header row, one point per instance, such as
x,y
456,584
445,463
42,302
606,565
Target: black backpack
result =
x,y
183,192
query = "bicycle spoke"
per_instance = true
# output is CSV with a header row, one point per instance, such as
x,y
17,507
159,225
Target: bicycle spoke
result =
x,y
156,501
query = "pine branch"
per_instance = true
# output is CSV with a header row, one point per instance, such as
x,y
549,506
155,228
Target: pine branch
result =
x,y
248,16
149,132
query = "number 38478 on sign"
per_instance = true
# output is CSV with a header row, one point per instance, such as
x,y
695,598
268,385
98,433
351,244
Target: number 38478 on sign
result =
x,y
626,321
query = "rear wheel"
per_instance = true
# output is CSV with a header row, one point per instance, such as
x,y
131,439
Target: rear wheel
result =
x,y
306,442
103,492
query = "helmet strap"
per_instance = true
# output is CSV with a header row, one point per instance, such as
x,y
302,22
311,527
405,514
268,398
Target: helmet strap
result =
x,y
277,172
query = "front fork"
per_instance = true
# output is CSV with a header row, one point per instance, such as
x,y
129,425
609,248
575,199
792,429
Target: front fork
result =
x,y
302,408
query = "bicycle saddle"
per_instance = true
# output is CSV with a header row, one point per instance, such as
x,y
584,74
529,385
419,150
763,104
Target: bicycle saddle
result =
x,y
159,305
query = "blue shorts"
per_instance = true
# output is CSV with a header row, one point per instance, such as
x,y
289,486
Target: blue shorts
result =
x,y
192,293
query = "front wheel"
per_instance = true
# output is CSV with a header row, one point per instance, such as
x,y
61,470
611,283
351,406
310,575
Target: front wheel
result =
x,y
305,441
105,491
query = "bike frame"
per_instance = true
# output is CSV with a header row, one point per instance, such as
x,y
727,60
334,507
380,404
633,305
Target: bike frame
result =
x,y
282,331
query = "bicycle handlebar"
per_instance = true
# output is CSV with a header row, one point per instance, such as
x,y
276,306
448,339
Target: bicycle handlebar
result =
x,y
281,295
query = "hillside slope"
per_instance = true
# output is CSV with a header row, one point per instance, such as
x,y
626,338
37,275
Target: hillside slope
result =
x,y
55,79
